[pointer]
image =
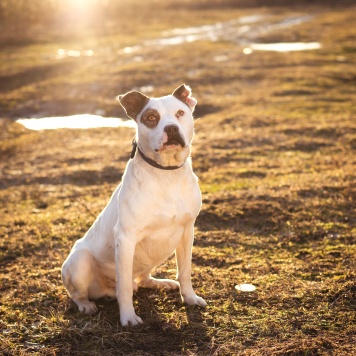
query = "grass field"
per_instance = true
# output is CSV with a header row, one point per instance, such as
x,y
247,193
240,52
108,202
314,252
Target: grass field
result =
x,y
275,154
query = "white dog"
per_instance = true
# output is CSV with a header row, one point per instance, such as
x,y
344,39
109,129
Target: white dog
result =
x,y
150,215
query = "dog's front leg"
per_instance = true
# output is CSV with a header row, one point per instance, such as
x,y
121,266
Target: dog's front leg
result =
x,y
124,255
184,267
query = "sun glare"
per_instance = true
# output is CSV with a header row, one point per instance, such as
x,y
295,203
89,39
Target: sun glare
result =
x,y
80,3
79,13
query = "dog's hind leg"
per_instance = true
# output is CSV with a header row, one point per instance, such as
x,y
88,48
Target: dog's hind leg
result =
x,y
82,280
147,281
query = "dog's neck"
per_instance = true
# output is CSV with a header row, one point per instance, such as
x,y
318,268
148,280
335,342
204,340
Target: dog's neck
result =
x,y
162,164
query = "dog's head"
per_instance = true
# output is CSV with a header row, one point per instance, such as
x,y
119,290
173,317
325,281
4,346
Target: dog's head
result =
x,y
164,125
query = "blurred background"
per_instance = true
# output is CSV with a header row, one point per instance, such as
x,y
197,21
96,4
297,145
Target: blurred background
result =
x,y
47,20
61,57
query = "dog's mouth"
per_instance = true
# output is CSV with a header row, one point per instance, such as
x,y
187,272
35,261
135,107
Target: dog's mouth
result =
x,y
174,141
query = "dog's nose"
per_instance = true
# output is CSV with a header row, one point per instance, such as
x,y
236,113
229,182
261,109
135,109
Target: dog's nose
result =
x,y
171,129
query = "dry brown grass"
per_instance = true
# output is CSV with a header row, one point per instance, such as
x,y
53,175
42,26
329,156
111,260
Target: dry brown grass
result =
x,y
275,154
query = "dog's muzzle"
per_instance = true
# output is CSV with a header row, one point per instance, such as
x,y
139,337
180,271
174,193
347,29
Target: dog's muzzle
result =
x,y
174,136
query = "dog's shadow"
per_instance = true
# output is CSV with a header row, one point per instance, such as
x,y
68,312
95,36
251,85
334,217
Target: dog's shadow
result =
x,y
169,327
180,327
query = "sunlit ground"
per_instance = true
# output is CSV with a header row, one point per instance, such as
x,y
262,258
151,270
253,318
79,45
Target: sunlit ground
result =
x,y
274,150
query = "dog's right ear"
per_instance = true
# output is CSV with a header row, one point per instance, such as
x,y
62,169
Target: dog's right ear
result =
x,y
133,102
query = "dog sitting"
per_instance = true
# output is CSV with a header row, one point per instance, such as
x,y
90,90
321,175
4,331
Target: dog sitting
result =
x,y
150,215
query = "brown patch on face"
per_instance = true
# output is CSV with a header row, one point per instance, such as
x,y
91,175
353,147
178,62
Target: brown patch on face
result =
x,y
150,118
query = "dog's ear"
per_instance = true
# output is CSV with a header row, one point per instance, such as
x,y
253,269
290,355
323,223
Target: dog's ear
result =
x,y
184,93
133,102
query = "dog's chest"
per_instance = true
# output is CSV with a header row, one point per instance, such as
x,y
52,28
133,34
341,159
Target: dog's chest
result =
x,y
164,204
177,203
166,219
159,239
164,225
173,213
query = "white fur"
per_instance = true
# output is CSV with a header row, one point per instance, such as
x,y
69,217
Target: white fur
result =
x,y
150,215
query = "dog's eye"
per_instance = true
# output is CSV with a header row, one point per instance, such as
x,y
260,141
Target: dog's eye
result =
x,y
151,118
180,113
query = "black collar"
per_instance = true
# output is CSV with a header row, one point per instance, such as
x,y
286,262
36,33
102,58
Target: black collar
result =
x,y
150,161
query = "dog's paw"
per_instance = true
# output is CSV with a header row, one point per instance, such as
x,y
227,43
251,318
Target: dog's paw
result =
x,y
194,300
130,320
154,283
166,284
87,307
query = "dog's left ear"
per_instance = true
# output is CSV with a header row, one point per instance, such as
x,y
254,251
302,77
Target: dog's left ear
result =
x,y
133,102
184,93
